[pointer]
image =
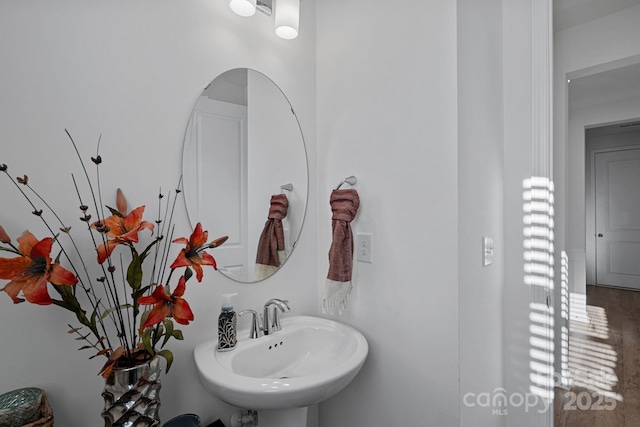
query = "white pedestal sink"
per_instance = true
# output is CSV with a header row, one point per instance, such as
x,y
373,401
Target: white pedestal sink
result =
x,y
279,375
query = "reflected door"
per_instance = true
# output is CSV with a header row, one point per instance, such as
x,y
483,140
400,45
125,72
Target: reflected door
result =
x,y
618,218
218,131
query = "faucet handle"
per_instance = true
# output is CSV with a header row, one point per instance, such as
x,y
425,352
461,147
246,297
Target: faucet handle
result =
x,y
283,307
256,330
272,321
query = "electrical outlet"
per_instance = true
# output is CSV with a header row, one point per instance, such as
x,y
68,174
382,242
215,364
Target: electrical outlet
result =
x,y
364,247
487,251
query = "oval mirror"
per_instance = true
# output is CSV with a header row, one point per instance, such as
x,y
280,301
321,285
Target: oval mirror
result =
x,y
245,173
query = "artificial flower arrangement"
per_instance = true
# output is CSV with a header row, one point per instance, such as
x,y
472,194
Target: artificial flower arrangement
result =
x,y
129,318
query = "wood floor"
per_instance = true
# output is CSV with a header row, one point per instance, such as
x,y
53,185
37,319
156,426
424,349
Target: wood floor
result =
x,y
604,360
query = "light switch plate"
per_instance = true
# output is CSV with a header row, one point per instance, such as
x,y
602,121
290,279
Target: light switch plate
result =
x,y
487,251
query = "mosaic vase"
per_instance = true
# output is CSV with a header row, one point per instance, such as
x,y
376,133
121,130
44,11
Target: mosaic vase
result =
x,y
132,396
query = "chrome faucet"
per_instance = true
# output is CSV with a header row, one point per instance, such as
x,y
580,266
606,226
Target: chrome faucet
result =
x,y
271,323
256,330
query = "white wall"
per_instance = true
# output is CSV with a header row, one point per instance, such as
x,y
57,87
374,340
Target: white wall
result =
x,y
387,114
131,71
523,122
481,206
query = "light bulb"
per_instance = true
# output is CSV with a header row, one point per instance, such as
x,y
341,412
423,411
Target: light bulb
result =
x,y
287,18
243,7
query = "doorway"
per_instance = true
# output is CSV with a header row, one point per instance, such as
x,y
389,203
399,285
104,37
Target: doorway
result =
x,y
601,112
597,343
612,210
617,175
600,346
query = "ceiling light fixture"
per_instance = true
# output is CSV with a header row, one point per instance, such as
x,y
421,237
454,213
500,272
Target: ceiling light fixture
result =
x,y
287,14
243,7
287,19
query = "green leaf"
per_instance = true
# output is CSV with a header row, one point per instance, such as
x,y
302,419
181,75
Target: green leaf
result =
x,y
71,303
143,318
140,292
177,334
158,334
115,212
168,356
146,341
168,324
112,309
94,315
134,272
65,292
188,273
144,253
57,260
10,250
81,315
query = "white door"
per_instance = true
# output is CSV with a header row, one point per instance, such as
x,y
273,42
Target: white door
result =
x,y
617,177
217,132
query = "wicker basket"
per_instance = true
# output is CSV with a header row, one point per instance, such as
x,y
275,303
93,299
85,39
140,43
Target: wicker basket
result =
x,y
46,414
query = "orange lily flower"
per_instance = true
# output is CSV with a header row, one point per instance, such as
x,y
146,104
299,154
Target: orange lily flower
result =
x,y
31,272
193,255
122,230
166,306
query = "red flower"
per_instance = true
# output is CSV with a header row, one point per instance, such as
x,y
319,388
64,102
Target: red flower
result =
x,y
166,306
193,255
122,229
30,272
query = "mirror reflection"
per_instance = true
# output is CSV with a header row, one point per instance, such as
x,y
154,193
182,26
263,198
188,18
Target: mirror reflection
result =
x,y
245,172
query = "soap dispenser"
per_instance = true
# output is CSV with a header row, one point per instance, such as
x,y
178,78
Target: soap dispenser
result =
x,y
227,322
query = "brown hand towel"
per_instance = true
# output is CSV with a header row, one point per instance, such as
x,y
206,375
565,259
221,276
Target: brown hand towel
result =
x,y
271,247
344,205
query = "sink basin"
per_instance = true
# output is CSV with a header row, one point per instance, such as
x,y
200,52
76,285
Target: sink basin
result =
x,y
308,361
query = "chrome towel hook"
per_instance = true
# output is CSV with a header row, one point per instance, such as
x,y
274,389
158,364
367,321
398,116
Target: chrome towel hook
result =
x,y
351,180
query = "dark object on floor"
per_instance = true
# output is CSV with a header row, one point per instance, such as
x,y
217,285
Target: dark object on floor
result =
x,y
216,423
184,420
27,407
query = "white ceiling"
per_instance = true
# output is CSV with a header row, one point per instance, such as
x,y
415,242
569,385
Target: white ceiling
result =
x,y
605,86
568,13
